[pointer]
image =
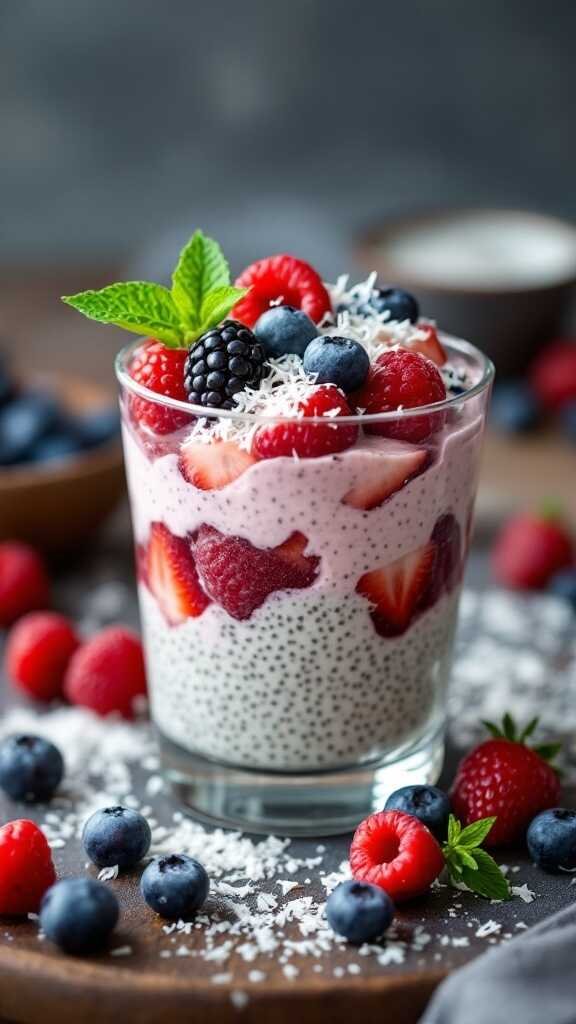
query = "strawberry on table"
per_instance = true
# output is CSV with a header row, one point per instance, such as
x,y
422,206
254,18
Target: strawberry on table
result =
x,y
530,549
171,576
507,779
553,374
281,280
394,465
309,440
395,590
210,467
26,867
401,379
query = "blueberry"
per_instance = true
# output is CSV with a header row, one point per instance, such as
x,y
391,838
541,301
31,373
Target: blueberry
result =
x,y
6,384
23,423
514,409
284,329
563,584
31,768
568,420
79,914
116,835
98,427
551,839
339,361
427,803
399,304
175,886
56,447
359,911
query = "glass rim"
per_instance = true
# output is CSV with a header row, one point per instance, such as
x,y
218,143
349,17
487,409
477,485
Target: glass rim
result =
x,y
456,345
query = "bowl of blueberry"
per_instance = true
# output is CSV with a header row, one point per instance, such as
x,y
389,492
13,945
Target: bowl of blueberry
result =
x,y
61,470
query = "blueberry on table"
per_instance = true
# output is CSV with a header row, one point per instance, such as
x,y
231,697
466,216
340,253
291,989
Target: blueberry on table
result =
x,y
551,840
359,911
514,409
175,886
116,836
23,422
399,304
31,768
427,803
563,584
284,329
79,915
339,361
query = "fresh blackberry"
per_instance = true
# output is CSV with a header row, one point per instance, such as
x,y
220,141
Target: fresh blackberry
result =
x,y
221,363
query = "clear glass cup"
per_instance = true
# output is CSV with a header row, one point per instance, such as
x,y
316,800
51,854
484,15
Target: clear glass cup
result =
x,y
298,622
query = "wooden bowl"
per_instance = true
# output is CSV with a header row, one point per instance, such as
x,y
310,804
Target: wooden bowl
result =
x,y
59,506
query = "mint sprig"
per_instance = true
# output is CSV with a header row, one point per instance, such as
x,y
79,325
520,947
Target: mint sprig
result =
x,y
467,863
200,297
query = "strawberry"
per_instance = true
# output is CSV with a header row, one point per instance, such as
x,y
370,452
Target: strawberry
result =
x,y
553,374
24,583
171,575
239,576
26,867
503,777
306,440
210,467
397,852
447,568
530,549
38,650
395,465
281,279
160,369
429,346
395,590
402,380
107,674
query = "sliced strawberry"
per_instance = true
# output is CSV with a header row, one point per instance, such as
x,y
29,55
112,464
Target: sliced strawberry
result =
x,y
281,279
395,465
239,576
429,346
213,466
171,576
395,590
309,440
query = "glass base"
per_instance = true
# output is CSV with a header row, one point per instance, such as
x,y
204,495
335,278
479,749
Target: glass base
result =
x,y
288,804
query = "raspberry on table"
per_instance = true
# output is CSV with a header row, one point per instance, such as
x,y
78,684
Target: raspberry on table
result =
x,y
24,583
175,886
107,673
221,363
26,867
308,440
401,379
38,650
397,852
282,280
31,768
116,835
79,915
160,369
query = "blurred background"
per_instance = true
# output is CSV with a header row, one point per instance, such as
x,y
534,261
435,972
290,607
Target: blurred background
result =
x,y
298,127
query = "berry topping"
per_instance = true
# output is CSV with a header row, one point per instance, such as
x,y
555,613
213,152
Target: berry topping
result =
x,y
210,467
427,803
430,345
26,868
400,305
175,886
79,915
359,911
395,590
307,440
505,778
513,409
160,369
563,585
281,279
396,852
107,673
338,361
116,835
38,650
23,581
284,329
402,380
530,549
221,363
553,374
395,465
170,574
239,576
31,768
551,840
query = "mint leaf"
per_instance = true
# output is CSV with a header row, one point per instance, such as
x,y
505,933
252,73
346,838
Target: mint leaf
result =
x,y
217,305
475,834
487,880
201,268
454,830
134,305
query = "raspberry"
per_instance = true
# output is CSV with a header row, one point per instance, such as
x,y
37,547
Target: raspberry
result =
x,y
221,363
553,374
38,650
26,868
107,673
281,279
529,550
505,778
23,581
161,370
307,440
402,379
397,852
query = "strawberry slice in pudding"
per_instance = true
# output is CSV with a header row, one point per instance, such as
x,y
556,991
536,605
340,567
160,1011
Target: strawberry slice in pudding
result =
x,y
170,574
395,590
393,465
210,467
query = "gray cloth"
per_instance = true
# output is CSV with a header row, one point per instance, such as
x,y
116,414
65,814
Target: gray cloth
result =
x,y
531,980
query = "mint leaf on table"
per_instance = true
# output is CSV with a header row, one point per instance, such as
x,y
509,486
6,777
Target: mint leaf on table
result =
x,y
201,268
486,879
467,863
134,305
475,834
